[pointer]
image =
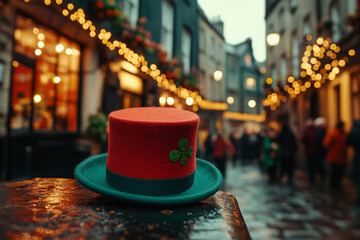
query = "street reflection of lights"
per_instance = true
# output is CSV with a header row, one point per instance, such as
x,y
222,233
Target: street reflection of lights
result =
x,y
41,44
41,36
170,100
38,52
15,63
36,30
162,101
230,100
189,101
68,51
351,52
56,80
59,48
252,103
37,98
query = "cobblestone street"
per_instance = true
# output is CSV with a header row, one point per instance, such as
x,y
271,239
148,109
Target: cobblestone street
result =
x,y
298,212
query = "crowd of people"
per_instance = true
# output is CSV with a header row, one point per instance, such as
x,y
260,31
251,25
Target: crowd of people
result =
x,y
276,149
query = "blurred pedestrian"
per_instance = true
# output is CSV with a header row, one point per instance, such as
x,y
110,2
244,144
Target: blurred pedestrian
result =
x,y
209,147
335,144
271,154
308,138
222,149
236,143
245,147
288,147
353,139
320,125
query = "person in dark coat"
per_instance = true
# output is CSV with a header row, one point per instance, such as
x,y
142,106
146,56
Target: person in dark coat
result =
x,y
308,138
209,148
353,139
245,148
236,143
288,148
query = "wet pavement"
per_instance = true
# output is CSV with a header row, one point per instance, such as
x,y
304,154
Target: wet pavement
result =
x,y
280,211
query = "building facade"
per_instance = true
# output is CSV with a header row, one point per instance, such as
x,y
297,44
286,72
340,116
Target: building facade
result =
x,y
49,86
301,25
211,58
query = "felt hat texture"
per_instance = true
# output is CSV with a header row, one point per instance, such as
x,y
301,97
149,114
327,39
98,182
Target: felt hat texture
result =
x,y
151,159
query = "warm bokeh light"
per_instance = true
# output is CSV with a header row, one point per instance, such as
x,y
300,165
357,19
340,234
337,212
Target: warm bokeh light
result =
x,y
15,63
41,44
56,80
250,82
59,48
218,75
170,100
41,36
37,98
252,103
68,51
290,79
162,101
230,100
269,81
351,52
273,39
189,101
38,52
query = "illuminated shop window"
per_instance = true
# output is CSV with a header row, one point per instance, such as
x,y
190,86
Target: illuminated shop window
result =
x,y
45,79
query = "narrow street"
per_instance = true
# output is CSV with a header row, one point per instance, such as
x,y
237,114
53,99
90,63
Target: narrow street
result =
x,y
299,212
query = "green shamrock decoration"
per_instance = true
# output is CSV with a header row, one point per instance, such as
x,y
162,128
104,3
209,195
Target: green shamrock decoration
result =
x,y
175,155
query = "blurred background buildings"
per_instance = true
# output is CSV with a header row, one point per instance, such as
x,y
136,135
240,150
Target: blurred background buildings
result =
x,y
313,71
64,66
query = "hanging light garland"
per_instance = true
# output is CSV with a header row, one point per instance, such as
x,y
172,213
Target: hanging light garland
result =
x,y
137,60
319,65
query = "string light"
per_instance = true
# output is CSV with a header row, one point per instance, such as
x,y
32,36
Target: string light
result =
x,y
135,59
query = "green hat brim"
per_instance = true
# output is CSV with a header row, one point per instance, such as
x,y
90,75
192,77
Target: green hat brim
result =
x,y
91,173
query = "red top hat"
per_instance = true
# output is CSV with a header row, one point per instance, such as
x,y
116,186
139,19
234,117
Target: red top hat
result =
x,y
152,150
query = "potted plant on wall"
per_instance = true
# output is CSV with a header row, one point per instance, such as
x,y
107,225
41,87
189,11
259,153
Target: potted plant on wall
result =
x,y
96,131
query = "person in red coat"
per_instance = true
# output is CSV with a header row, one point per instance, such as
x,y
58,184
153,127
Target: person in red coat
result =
x,y
222,148
335,144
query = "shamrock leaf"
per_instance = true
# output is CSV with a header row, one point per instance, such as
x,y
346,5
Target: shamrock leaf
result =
x,y
183,161
183,144
175,155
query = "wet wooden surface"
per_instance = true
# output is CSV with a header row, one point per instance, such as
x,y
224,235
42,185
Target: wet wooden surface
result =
x,y
47,208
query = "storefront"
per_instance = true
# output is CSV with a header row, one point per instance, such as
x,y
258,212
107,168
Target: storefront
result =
x,y
53,82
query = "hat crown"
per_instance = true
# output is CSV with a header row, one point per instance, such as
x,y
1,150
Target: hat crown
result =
x,y
152,143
